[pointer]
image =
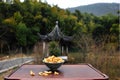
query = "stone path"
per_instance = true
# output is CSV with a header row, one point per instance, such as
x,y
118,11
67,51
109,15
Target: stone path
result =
x,y
9,64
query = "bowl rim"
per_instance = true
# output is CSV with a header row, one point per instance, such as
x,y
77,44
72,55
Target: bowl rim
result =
x,y
53,63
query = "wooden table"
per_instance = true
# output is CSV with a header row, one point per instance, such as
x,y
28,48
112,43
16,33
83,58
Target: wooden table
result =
x,y
67,72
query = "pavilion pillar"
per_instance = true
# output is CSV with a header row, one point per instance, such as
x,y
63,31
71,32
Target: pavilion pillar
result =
x,y
62,49
43,48
47,49
67,50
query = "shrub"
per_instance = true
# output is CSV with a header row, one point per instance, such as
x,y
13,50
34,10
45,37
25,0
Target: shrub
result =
x,y
54,48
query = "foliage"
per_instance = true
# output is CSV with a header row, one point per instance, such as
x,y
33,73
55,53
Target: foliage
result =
x,y
97,38
103,61
21,21
101,53
54,48
21,34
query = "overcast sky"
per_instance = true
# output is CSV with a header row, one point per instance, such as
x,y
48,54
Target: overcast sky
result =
x,y
74,3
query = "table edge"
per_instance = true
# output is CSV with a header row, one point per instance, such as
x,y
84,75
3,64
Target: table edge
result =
x,y
104,75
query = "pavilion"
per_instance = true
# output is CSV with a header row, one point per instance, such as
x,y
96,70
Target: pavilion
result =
x,y
56,35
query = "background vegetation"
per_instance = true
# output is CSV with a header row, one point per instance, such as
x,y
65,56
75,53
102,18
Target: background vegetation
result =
x,y
96,39
20,23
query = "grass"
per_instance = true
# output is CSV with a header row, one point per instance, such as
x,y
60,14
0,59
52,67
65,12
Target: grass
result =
x,y
105,62
4,74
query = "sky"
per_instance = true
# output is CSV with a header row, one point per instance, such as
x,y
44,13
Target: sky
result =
x,y
74,3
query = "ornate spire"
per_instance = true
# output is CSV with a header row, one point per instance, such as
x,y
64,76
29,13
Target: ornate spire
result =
x,y
56,22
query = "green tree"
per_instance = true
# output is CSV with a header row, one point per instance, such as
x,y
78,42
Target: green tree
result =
x,y
78,14
21,34
115,33
4,10
98,34
68,24
18,17
54,48
28,19
31,35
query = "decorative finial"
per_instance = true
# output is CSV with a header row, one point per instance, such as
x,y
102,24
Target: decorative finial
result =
x,y
56,22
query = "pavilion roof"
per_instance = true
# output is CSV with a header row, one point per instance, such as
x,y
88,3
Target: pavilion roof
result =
x,y
55,34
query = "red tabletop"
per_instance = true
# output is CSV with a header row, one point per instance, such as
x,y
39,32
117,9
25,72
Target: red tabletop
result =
x,y
67,72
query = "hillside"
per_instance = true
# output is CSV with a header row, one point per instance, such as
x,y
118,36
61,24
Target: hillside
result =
x,y
98,9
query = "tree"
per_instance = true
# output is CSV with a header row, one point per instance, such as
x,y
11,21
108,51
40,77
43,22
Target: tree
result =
x,y
31,36
18,17
10,21
21,21
21,34
68,24
78,14
98,34
114,30
28,19
4,9
54,49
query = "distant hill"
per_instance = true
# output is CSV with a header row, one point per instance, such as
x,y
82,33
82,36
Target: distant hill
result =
x,y
98,9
